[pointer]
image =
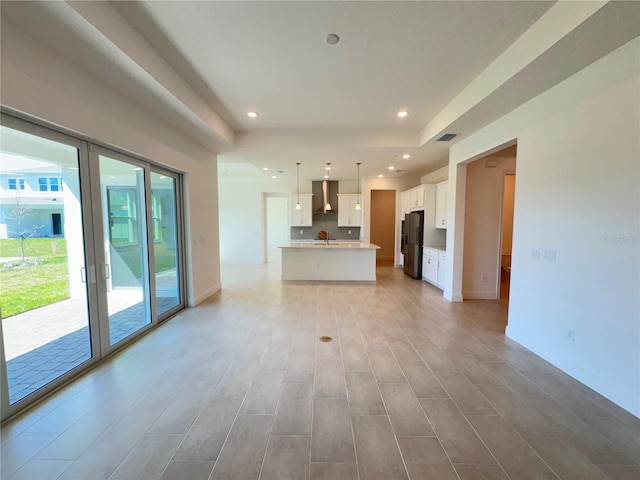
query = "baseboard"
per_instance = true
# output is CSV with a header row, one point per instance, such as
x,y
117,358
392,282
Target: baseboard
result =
x,y
204,295
479,295
433,283
621,395
453,297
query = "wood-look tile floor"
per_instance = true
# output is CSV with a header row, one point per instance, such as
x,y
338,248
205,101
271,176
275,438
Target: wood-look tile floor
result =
x,y
241,388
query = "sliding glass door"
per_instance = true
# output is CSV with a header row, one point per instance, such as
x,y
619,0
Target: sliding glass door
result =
x,y
90,256
125,270
166,241
46,267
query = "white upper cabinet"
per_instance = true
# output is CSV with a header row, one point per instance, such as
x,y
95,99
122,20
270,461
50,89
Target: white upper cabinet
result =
x,y
348,216
302,217
441,205
413,200
405,202
417,198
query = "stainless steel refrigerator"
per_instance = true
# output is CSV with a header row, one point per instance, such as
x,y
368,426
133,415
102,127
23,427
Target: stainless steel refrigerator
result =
x,y
411,246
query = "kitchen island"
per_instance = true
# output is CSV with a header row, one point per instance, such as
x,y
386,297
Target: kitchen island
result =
x,y
329,261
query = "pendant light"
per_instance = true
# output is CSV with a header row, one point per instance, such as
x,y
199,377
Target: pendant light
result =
x,y
358,207
327,207
298,207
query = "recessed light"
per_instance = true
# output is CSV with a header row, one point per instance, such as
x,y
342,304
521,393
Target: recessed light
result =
x,y
265,168
326,176
406,156
252,114
403,113
380,176
274,176
391,167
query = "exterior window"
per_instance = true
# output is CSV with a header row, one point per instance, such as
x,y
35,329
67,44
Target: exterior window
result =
x,y
49,184
156,214
122,216
15,183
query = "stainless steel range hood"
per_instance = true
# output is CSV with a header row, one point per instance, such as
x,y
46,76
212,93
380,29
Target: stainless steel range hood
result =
x,y
325,193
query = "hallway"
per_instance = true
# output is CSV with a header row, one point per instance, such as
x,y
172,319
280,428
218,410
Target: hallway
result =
x,y
411,386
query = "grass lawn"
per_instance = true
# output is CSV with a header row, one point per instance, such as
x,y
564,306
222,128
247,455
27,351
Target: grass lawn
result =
x,y
29,286
164,259
24,288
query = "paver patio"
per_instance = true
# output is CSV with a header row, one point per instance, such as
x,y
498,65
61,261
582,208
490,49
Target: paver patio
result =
x,y
45,343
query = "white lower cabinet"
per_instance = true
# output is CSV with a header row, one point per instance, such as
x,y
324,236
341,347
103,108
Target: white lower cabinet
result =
x,y
433,266
442,260
430,268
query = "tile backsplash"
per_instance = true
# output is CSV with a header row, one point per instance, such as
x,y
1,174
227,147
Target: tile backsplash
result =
x,y
329,223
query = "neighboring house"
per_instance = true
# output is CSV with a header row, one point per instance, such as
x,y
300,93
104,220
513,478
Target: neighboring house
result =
x,y
31,198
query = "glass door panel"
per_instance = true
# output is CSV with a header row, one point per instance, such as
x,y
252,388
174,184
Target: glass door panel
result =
x,y
43,271
164,225
126,268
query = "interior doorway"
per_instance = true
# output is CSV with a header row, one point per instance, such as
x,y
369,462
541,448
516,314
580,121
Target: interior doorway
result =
x,y
383,203
276,225
483,253
508,197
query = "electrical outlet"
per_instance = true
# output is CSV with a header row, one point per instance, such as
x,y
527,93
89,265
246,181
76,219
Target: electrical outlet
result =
x,y
571,334
301,232
349,232
483,279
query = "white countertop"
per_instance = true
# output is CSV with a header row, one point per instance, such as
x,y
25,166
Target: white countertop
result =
x,y
439,248
333,245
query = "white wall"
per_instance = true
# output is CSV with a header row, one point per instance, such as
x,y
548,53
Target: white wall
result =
x,y
277,221
242,218
37,82
483,219
577,193
437,176
242,215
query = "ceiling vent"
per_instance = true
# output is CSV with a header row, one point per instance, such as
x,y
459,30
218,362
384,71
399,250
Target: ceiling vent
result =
x,y
447,137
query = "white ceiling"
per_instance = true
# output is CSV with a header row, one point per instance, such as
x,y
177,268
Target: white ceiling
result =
x,y
455,65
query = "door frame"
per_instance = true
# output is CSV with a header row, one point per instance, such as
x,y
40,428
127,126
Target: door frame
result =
x,y
8,410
